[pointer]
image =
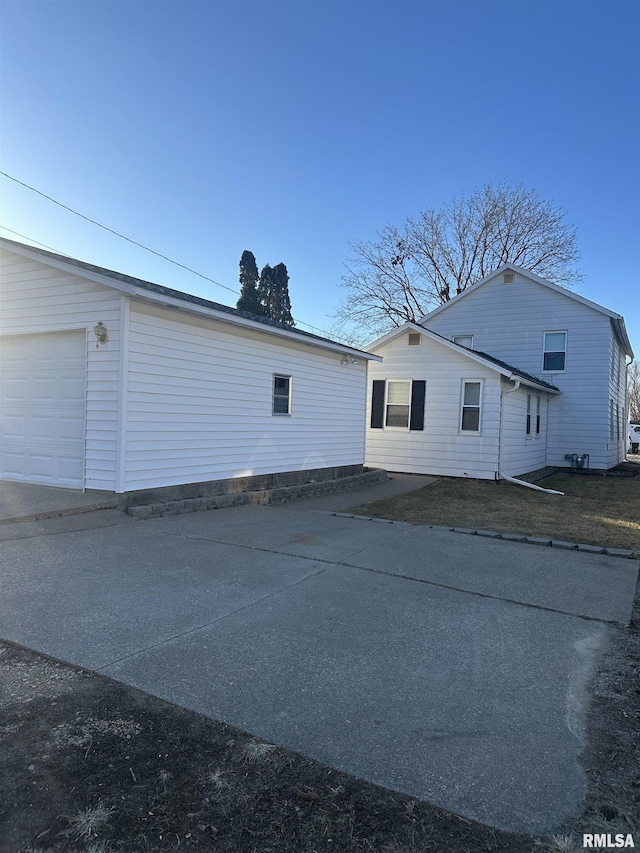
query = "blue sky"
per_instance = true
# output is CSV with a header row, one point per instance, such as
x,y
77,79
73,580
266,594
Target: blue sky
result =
x,y
202,129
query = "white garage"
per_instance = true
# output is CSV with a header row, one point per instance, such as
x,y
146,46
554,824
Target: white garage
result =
x,y
113,383
42,408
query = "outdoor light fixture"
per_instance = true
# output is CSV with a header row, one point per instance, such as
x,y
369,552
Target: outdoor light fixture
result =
x,y
100,331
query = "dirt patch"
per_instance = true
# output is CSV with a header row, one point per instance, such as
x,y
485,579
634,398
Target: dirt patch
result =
x,y
91,765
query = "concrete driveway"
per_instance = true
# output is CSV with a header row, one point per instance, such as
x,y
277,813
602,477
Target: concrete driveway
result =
x,y
454,668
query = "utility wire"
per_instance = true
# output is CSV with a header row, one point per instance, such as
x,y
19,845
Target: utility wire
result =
x,y
18,234
117,233
128,239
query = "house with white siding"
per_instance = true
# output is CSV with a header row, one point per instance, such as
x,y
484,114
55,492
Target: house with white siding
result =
x,y
513,374
110,382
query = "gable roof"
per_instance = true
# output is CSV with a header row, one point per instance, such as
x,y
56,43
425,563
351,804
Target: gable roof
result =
x,y
508,370
176,298
617,320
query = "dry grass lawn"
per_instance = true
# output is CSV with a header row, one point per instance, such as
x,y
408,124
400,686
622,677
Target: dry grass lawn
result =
x,y
595,509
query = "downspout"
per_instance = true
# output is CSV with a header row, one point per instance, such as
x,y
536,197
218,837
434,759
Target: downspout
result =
x,y
502,476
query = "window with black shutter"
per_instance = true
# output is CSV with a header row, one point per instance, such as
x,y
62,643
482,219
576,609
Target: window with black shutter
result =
x,y
398,403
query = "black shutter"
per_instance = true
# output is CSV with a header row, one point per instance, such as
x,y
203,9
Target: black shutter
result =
x,y
377,404
417,404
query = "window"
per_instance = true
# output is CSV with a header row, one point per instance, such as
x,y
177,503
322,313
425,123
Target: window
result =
x,y
470,415
528,414
618,421
464,340
538,409
611,419
555,351
281,395
398,404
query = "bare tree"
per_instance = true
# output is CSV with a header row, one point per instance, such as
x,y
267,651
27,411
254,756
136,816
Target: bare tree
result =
x,y
410,269
633,390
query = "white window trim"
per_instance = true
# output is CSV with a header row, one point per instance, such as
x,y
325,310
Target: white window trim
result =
x,y
566,348
538,416
463,382
453,338
528,420
286,414
386,403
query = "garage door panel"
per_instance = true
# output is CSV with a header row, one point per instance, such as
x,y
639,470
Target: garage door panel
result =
x,y
41,465
70,469
42,408
72,390
13,427
42,391
42,428
14,390
13,463
70,429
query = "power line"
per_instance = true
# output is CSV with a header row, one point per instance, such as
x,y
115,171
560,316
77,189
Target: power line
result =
x,y
117,233
123,237
24,236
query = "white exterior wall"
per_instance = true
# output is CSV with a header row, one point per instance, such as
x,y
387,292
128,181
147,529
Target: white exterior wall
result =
x,y
198,403
522,453
508,322
617,422
440,448
37,298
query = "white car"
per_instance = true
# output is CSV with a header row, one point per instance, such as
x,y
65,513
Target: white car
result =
x,y
633,434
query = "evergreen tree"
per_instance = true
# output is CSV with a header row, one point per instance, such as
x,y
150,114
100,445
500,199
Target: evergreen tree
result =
x,y
265,289
249,296
273,291
281,303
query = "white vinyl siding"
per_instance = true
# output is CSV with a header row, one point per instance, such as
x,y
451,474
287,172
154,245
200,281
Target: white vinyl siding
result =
x,y
521,452
200,402
441,447
36,298
618,403
509,323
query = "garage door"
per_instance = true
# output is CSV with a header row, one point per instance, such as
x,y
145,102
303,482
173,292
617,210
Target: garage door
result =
x,y
42,408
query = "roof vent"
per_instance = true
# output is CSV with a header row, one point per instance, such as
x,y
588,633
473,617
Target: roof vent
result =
x,y
508,278
415,339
